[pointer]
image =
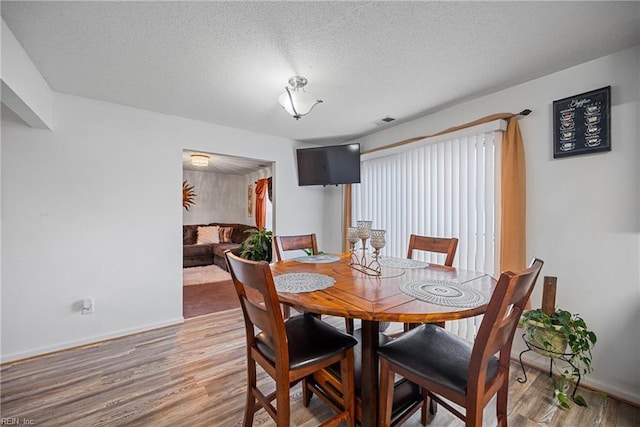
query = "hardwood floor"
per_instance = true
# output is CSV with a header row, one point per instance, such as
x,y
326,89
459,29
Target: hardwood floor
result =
x,y
194,375
208,298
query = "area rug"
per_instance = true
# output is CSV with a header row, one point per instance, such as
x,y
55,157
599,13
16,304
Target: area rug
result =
x,y
204,274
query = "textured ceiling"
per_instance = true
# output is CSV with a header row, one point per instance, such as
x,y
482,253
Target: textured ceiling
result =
x,y
227,62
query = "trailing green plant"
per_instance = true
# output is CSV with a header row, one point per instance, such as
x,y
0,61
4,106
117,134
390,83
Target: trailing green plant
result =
x,y
580,342
309,252
258,246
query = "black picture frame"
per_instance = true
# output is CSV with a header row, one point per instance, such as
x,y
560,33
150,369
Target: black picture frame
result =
x,y
582,123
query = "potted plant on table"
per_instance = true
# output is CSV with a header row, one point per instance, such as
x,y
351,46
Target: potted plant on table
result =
x,y
561,335
258,246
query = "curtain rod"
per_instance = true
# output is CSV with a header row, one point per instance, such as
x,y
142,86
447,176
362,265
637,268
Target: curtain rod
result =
x,y
482,120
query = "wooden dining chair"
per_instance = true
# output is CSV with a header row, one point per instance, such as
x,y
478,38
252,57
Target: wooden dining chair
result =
x,y
291,243
299,242
407,398
289,351
447,366
441,245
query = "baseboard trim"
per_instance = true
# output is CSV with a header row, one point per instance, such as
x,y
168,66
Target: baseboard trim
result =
x,y
45,351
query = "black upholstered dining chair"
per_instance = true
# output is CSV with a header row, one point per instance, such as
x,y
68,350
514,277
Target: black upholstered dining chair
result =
x,y
289,351
447,366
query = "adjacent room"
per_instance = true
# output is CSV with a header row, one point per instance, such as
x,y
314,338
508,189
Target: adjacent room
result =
x,y
393,213
219,208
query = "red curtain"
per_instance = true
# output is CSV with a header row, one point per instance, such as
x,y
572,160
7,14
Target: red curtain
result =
x,y
261,204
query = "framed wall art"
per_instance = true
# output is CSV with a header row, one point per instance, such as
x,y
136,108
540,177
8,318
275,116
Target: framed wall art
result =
x,y
250,200
581,123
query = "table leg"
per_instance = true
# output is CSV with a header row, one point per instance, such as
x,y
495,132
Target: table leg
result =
x,y
369,373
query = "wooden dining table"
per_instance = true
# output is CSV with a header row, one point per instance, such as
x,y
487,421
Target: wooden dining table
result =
x,y
384,298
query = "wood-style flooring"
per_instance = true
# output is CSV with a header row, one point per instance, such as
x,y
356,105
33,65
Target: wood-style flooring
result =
x,y
198,300
194,375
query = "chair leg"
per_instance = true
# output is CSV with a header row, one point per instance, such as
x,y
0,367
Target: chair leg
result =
x,y
250,408
474,411
348,326
426,406
502,403
283,403
286,311
348,387
307,394
385,398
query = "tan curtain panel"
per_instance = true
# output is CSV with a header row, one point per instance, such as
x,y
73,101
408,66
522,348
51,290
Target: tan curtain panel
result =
x,y
513,190
346,215
261,202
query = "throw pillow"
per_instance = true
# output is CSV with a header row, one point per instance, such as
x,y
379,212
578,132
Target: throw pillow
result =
x,y
225,234
210,234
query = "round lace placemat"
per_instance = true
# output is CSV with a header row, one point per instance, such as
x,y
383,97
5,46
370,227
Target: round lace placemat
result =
x,y
317,259
302,282
444,292
402,263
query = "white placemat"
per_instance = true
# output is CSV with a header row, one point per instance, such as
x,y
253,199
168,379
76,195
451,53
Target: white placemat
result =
x,y
317,259
444,292
402,262
302,282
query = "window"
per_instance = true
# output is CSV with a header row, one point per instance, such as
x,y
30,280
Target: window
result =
x,y
446,186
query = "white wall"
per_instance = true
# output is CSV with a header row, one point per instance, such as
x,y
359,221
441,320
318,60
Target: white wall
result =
x,y
86,212
583,215
219,198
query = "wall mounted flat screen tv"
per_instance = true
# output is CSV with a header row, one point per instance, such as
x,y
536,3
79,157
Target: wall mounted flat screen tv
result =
x,y
331,165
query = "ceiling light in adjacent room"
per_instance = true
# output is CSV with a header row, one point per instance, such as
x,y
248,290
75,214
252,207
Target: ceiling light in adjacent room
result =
x,y
295,100
200,160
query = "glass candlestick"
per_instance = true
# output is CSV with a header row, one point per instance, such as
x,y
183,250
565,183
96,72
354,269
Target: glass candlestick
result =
x,y
364,232
352,238
377,242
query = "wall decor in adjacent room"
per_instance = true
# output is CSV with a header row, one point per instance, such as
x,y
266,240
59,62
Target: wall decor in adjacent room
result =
x,y
188,195
581,123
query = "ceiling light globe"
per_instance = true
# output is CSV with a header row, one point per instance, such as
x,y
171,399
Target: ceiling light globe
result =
x,y
295,100
200,160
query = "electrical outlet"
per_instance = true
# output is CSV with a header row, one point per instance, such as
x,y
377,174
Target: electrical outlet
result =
x,y
87,306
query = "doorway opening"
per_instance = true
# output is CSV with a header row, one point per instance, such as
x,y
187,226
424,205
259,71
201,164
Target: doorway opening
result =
x,y
222,208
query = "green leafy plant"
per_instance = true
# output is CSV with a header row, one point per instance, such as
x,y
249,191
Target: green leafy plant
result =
x,y
309,252
258,246
562,334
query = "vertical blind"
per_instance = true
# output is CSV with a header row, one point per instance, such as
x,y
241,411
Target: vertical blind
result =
x,y
442,188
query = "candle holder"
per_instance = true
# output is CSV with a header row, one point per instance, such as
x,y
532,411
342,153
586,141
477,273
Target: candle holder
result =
x,y
363,232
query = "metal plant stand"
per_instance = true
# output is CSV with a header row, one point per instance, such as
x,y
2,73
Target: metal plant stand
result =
x,y
552,355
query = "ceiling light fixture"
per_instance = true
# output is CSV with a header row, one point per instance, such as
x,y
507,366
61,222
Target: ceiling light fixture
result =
x,y
295,100
199,160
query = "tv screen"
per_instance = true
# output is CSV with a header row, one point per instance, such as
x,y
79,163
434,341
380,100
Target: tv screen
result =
x,y
332,165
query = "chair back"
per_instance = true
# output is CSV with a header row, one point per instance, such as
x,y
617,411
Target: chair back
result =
x,y
290,243
501,319
259,301
441,245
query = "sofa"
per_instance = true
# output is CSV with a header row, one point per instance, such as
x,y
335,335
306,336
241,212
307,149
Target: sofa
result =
x,y
196,254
